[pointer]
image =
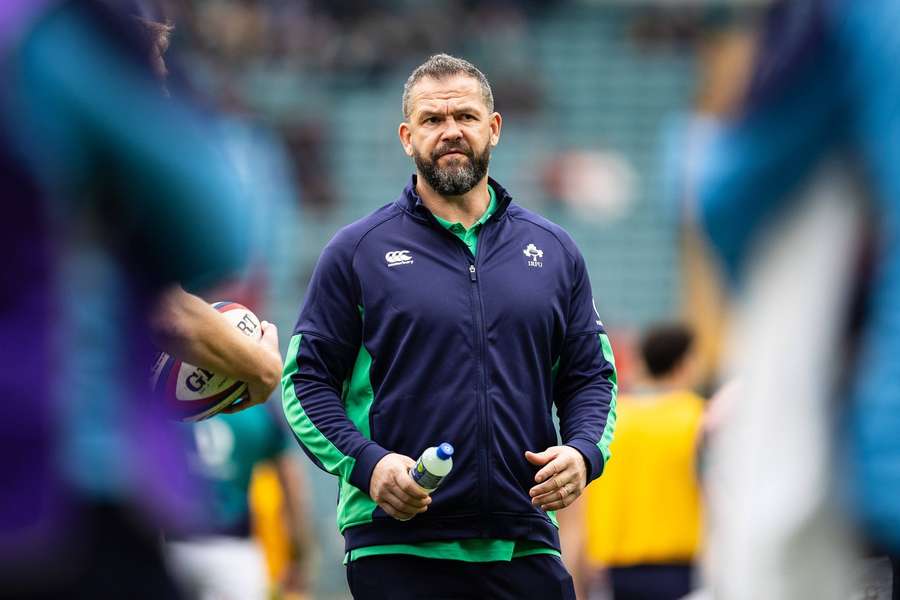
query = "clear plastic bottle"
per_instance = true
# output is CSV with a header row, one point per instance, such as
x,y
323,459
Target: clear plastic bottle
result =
x,y
433,466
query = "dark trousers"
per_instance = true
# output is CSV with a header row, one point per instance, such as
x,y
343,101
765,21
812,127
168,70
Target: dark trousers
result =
x,y
651,582
399,577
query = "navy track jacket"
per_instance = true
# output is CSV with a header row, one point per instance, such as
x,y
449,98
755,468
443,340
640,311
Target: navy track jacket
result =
x,y
406,340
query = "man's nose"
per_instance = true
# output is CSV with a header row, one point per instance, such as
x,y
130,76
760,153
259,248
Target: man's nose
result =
x,y
451,130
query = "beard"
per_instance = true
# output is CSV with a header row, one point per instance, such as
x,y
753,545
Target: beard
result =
x,y
460,175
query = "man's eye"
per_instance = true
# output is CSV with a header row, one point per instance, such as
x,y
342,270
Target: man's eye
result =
x,y
468,117
432,120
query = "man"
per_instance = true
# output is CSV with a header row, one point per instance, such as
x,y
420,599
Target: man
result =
x,y
107,214
642,521
452,315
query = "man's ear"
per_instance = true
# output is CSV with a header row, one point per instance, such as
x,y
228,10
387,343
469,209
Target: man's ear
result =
x,y
496,122
405,135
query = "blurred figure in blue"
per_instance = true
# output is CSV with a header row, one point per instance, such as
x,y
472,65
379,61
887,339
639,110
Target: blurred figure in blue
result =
x,y
825,85
114,196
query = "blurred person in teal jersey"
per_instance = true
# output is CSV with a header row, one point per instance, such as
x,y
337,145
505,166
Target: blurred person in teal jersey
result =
x,y
117,194
225,561
825,86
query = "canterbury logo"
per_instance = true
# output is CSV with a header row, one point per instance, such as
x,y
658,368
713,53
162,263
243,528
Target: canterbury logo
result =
x,y
395,258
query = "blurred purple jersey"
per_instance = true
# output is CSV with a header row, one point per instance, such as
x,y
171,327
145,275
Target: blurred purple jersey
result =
x,y
111,194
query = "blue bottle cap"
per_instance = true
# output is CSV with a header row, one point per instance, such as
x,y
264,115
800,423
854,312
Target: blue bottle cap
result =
x,y
444,451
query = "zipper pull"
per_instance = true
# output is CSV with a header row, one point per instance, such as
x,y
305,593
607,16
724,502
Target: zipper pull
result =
x,y
472,273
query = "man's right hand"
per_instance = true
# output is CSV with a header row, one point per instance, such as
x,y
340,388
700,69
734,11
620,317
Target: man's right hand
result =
x,y
392,488
267,372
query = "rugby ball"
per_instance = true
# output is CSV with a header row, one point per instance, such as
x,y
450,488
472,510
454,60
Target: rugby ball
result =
x,y
193,393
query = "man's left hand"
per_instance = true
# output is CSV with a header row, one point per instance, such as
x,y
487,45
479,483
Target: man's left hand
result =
x,y
561,479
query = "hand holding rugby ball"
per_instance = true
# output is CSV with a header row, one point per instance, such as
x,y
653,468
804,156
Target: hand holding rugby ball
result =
x,y
192,393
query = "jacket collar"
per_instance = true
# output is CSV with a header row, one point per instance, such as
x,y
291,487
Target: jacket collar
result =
x,y
412,203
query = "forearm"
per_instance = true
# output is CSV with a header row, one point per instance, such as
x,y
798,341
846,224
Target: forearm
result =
x,y
187,327
586,399
311,395
587,422
297,524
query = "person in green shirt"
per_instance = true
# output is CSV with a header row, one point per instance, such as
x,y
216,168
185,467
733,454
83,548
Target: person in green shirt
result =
x,y
466,550
454,315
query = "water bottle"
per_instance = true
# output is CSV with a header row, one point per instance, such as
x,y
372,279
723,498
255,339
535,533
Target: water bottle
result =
x,y
433,466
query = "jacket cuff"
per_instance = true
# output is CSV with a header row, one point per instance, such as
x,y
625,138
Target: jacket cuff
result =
x,y
366,460
593,459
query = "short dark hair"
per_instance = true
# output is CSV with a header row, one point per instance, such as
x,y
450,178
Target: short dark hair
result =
x,y
664,346
439,66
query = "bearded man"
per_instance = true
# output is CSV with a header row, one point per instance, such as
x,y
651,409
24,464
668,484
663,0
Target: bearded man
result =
x,y
452,314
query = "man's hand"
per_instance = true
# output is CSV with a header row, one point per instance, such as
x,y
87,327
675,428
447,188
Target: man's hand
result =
x,y
561,479
268,373
186,327
395,491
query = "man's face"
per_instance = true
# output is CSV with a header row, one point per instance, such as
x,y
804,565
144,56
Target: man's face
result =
x,y
449,133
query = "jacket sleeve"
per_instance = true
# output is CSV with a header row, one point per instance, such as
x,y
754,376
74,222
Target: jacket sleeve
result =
x,y
585,385
320,358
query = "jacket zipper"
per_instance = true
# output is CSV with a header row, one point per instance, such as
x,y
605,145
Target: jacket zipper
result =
x,y
484,411
485,433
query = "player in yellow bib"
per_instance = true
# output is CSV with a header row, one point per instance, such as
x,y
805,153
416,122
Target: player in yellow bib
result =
x,y
642,519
